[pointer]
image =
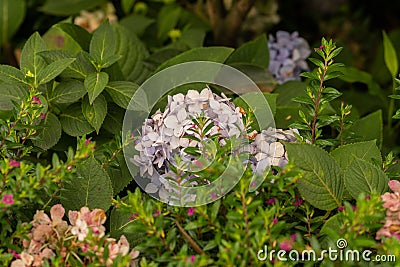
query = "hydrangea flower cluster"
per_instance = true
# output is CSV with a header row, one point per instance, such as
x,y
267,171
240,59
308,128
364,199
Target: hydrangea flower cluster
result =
x,y
166,135
288,54
50,235
392,204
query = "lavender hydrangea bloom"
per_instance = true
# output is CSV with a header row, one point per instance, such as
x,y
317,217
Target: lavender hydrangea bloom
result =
x,y
288,54
164,139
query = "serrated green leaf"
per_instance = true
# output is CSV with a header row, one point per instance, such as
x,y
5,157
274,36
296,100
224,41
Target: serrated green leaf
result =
x,y
114,118
53,70
10,93
364,177
96,112
255,52
367,151
78,69
68,92
49,135
73,122
31,62
121,92
361,129
213,54
12,75
103,45
321,183
390,55
92,188
12,14
71,7
95,84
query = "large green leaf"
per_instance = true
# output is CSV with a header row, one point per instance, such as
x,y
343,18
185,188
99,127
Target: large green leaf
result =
x,y
103,45
91,188
12,75
31,62
68,92
70,7
74,123
361,129
364,177
49,134
214,54
12,14
121,92
53,70
367,151
255,52
10,93
95,84
114,118
321,183
390,55
134,51
96,112
136,24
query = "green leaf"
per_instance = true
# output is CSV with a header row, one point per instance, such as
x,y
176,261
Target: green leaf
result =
x,y
96,112
121,92
68,92
31,62
127,5
70,7
91,188
73,122
213,54
53,70
114,118
12,14
361,129
321,183
119,220
120,175
136,24
255,52
103,45
12,75
78,34
364,177
390,55
367,151
49,135
168,18
260,75
10,93
95,84
78,69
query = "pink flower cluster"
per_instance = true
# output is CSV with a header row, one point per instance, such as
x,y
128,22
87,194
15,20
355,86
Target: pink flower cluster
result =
x,y
51,236
392,204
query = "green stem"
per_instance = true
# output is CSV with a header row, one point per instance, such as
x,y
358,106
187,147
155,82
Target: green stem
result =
x,y
391,109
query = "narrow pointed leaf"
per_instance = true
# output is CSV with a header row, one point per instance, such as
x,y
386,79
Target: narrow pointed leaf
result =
x,y
390,55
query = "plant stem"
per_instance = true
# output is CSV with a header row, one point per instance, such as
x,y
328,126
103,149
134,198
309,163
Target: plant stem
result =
x,y
192,243
317,102
391,108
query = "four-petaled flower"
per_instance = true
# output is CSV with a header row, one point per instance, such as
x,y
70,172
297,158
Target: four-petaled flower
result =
x,y
191,211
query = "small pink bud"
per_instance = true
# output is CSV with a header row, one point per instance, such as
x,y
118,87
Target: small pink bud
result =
x,y
14,163
275,221
36,100
43,115
191,211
